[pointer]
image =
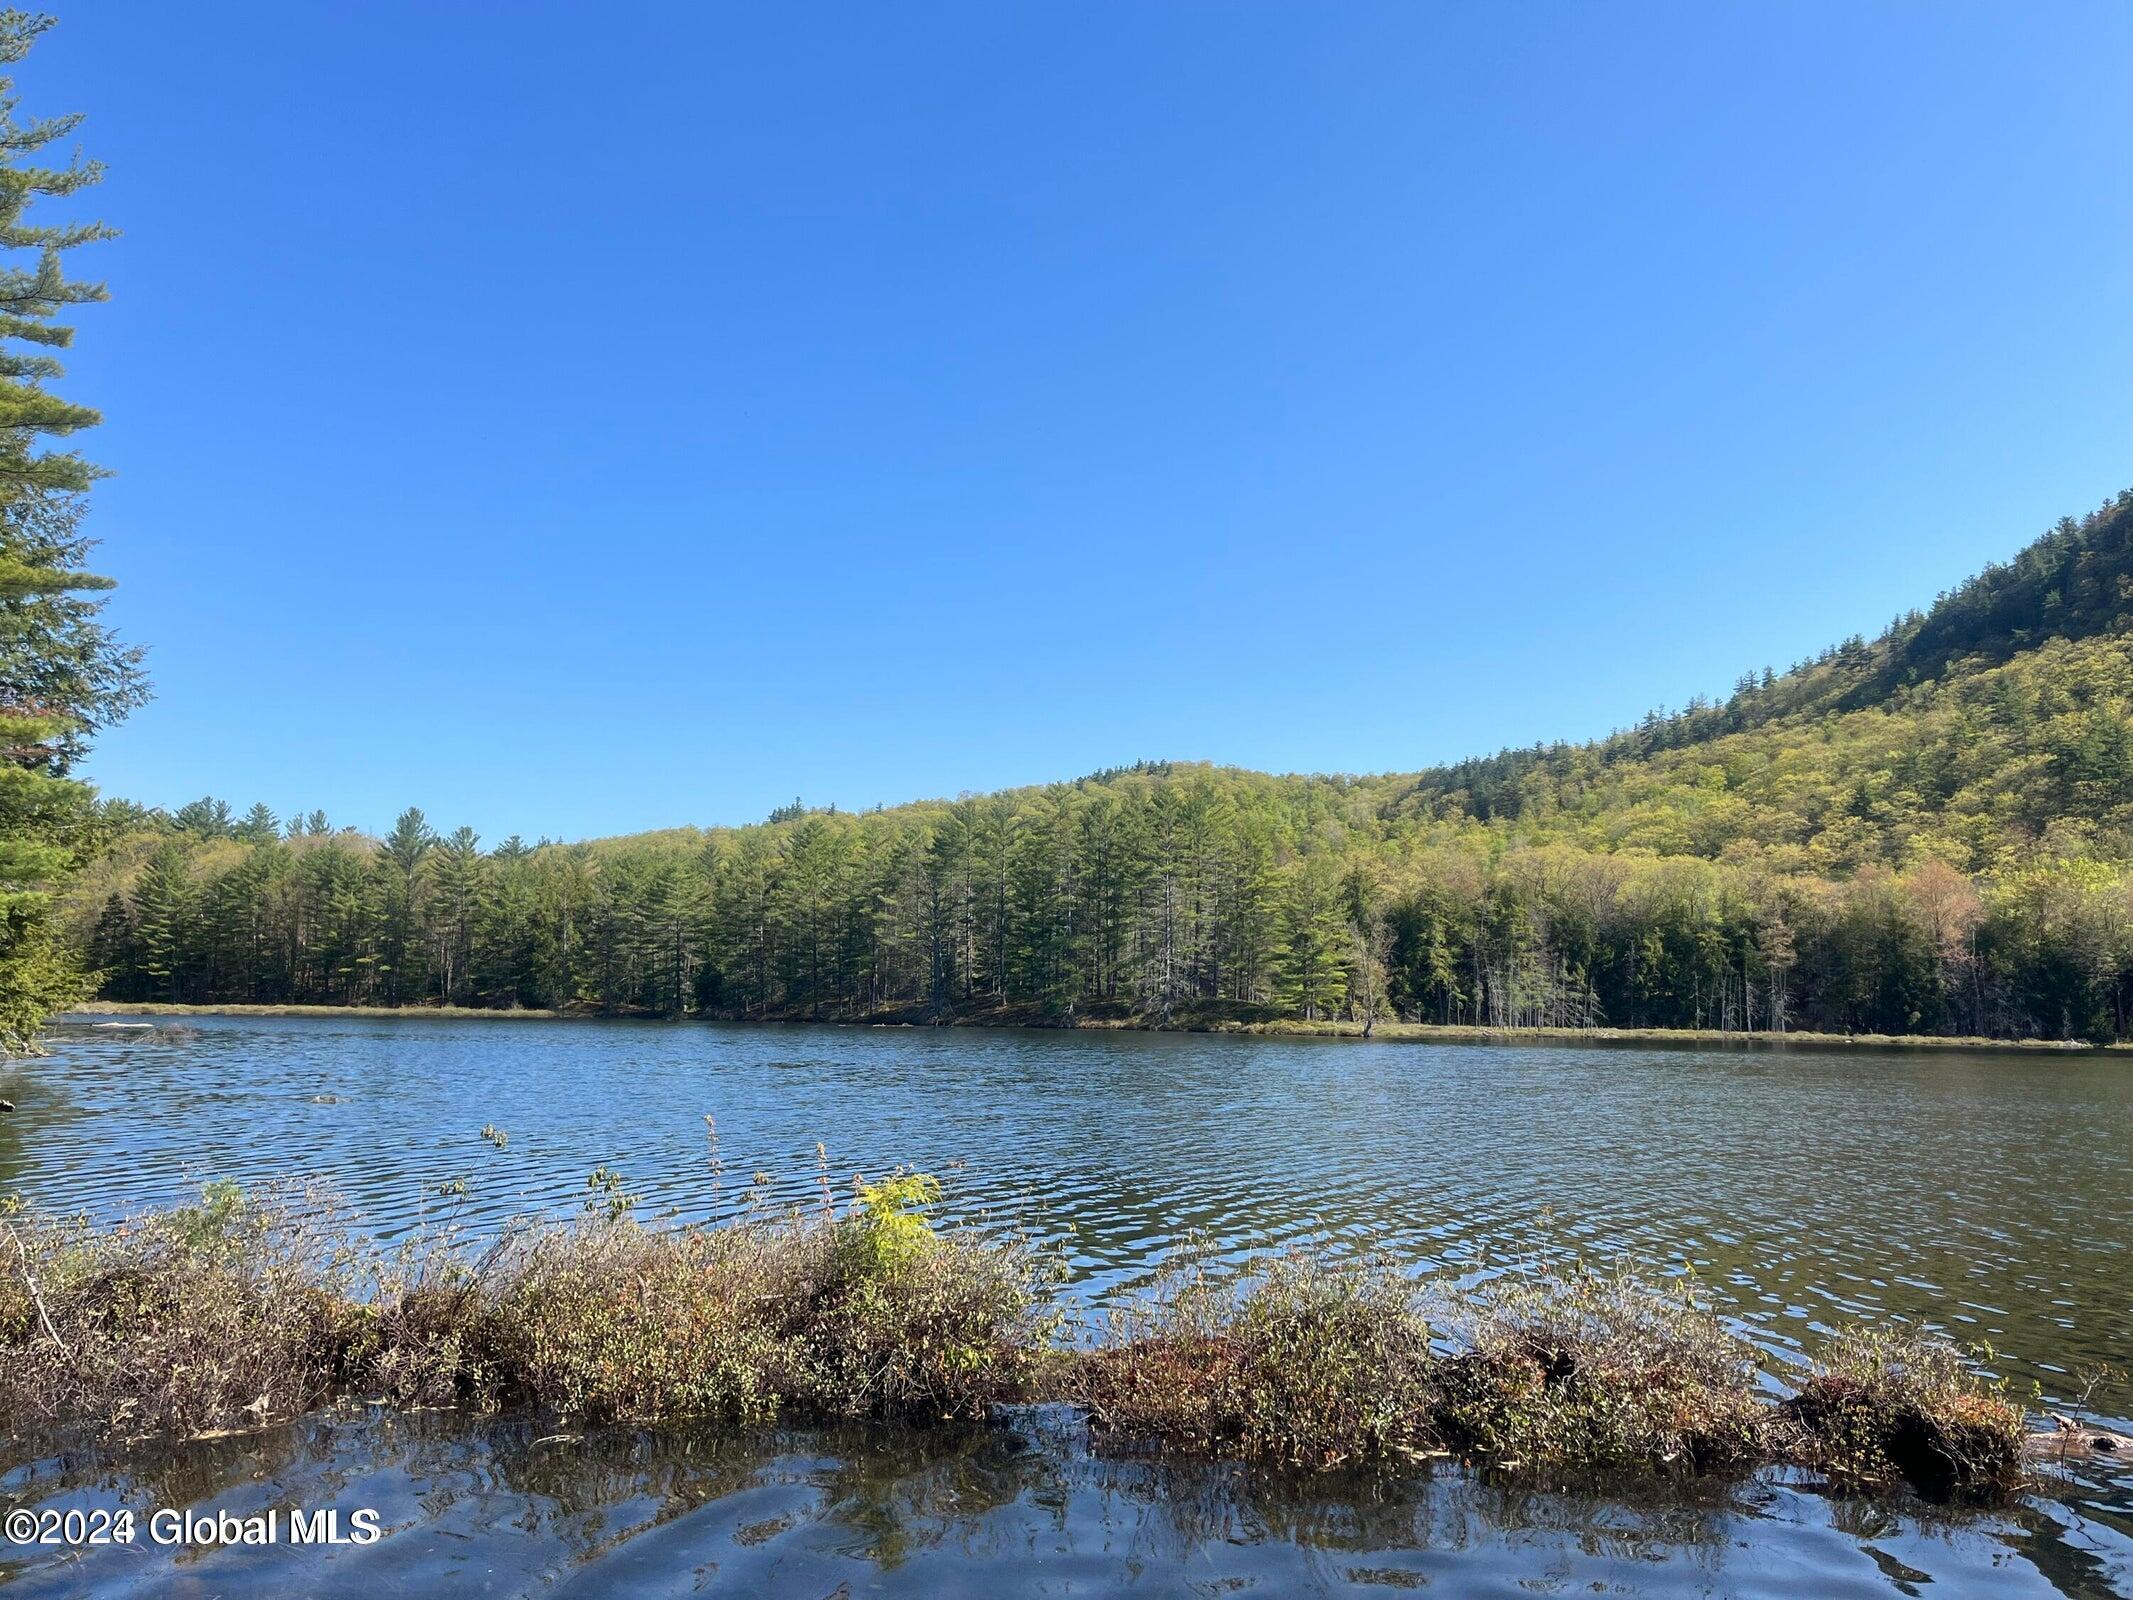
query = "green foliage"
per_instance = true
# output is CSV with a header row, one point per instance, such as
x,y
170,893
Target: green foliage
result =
x,y
32,295
1929,833
55,653
604,1193
889,1229
62,675
211,1227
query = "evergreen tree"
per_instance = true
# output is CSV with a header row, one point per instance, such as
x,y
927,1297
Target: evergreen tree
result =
x,y
62,676
399,889
164,901
1313,982
455,874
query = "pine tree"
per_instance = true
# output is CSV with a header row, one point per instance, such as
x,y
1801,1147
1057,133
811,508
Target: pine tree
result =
x,y
55,652
207,817
164,902
455,873
399,874
61,674
1314,971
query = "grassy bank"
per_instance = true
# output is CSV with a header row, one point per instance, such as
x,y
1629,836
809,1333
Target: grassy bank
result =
x,y
1190,1022
248,1308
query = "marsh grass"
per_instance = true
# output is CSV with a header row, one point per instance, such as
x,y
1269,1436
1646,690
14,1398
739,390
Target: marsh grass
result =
x,y
248,1308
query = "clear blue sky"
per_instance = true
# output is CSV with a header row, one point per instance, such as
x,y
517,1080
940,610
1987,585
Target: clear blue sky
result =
x,y
575,419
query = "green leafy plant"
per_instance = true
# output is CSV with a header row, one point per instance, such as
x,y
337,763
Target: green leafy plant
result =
x,y
888,1225
605,1193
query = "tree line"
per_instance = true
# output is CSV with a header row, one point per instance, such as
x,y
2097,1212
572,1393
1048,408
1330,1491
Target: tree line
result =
x,y
1924,832
1162,893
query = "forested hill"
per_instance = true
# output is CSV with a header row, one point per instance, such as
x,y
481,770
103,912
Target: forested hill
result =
x,y
2075,582
1926,832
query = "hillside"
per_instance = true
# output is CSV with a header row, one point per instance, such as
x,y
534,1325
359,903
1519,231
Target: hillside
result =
x,y
2055,618
1929,831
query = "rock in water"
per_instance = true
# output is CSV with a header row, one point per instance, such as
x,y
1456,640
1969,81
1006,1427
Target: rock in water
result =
x,y
2070,1438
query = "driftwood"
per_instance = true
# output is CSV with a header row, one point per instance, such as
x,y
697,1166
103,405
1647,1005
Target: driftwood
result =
x,y
29,1278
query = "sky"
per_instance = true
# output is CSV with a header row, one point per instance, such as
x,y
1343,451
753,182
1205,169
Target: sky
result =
x,y
577,419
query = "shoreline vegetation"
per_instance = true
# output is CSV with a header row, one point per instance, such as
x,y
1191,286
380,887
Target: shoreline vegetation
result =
x,y
253,1307
1389,1032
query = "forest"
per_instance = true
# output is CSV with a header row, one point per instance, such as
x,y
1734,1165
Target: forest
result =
x,y
1930,832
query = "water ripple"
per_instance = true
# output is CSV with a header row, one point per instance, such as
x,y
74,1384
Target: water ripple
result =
x,y
1984,1193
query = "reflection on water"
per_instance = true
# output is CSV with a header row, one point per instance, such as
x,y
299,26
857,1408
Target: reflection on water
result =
x,y
507,1508
1986,1193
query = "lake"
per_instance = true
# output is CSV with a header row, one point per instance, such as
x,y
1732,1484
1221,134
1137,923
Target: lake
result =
x,y
1987,1194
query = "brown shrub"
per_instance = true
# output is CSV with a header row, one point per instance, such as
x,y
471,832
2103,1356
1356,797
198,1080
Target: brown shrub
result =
x,y
1886,1407
1600,1370
1309,1363
614,1323
243,1309
203,1317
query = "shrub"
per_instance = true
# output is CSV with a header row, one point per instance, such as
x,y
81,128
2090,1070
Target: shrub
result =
x,y
1891,1406
613,1323
202,1317
1311,1363
1599,1369
242,1309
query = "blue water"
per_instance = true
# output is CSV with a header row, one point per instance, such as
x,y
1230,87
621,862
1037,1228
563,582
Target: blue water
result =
x,y
1984,1194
